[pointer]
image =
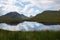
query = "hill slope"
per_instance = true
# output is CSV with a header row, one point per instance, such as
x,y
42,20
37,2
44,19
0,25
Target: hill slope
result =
x,y
12,17
47,17
15,15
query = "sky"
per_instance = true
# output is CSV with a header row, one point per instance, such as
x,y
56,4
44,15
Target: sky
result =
x,y
28,7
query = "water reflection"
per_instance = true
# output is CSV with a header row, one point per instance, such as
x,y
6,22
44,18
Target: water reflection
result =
x,y
13,23
28,26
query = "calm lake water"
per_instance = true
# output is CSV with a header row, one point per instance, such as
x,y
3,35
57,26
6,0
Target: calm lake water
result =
x,y
29,26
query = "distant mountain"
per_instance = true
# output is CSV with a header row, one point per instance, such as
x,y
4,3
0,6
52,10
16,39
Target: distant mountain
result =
x,y
47,17
12,17
31,16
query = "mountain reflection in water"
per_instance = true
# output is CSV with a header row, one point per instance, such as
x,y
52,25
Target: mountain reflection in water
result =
x,y
29,26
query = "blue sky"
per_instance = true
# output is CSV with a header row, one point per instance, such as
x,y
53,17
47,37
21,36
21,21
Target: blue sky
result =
x,y
28,7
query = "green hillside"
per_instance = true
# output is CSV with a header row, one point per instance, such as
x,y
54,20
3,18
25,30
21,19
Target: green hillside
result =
x,y
31,35
12,17
47,17
8,19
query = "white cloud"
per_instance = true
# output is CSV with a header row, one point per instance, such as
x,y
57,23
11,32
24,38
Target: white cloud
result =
x,y
11,8
11,2
26,8
31,10
42,4
39,3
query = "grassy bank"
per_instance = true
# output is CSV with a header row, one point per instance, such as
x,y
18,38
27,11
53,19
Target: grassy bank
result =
x,y
35,35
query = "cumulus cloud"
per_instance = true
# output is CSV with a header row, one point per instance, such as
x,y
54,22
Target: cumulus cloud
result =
x,y
11,8
42,4
23,8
